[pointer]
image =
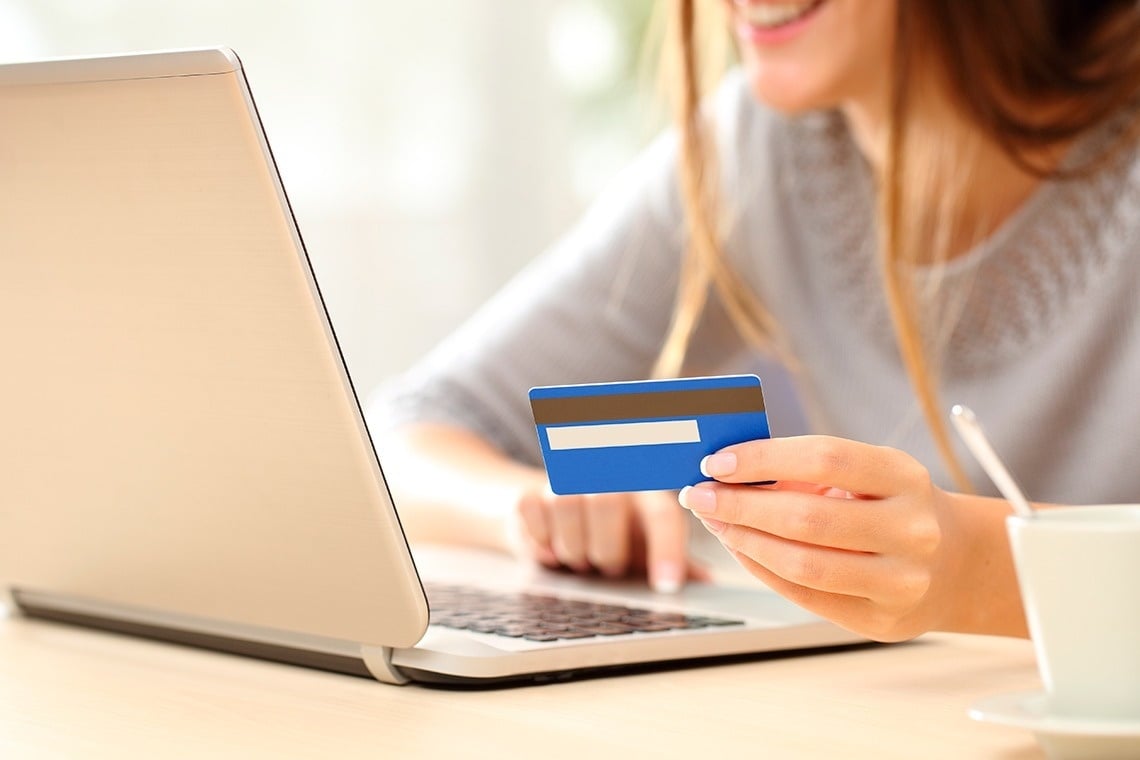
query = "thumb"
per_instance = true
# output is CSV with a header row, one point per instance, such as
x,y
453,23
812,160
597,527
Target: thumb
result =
x,y
666,531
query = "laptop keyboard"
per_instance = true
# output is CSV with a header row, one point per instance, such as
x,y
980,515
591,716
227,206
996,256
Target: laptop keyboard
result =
x,y
541,617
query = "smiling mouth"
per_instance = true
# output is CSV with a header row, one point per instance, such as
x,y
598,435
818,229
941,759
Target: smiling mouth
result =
x,y
774,15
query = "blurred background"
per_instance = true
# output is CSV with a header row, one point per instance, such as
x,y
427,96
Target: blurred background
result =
x,y
429,149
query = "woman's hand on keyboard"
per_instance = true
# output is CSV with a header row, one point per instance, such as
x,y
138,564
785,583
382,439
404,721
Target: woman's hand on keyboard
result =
x,y
613,534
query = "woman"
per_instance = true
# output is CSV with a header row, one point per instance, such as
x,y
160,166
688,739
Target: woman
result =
x,y
911,204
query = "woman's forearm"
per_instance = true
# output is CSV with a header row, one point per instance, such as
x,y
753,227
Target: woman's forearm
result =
x,y
452,486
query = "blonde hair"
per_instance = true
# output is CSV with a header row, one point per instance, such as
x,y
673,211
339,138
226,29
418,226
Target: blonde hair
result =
x,y
1080,53
687,80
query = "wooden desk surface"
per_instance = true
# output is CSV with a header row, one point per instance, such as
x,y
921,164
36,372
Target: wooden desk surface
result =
x,y
72,693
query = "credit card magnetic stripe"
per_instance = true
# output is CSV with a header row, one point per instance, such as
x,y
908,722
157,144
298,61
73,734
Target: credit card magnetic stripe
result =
x,y
620,406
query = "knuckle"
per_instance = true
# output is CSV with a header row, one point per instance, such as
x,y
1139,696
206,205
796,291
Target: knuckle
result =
x,y
892,616
730,536
744,541
653,501
568,554
908,585
524,520
801,595
913,473
827,458
602,513
529,523
728,506
533,533
890,627
915,584
881,625
604,560
529,503
808,524
924,536
805,568
565,506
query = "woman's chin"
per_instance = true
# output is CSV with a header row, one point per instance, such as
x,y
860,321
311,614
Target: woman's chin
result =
x,y
788,93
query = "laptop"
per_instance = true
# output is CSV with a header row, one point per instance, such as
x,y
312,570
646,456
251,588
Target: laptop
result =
x,y
184,455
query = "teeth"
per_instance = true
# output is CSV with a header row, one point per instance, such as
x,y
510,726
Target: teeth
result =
x,y
773,14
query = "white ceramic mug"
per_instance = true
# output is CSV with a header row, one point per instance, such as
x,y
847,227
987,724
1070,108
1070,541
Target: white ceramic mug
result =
x,y
1079,573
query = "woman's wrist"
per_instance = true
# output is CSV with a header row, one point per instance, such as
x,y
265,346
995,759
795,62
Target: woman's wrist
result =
x,y
979,583
452,486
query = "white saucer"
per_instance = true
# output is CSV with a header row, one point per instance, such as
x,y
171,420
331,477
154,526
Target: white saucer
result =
x,y
1062,736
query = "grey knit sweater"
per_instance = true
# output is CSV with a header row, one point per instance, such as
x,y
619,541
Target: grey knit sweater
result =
x,y
1046,349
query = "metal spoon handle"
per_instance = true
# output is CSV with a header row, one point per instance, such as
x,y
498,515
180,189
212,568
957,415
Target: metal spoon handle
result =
x,y
971,431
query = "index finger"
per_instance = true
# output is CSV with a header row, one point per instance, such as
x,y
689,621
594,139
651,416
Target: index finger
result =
x,y
849,465
666,529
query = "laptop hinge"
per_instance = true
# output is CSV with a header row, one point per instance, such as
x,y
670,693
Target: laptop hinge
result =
x,y
8,606
378,660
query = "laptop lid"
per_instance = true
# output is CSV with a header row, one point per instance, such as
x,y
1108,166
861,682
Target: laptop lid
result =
x,y
181,442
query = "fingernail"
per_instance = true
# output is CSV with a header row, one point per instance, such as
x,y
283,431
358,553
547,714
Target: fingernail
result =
x,y
667,576
699,499
714,526
718,465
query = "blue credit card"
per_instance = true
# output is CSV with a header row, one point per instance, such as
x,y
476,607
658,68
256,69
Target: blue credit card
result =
x,y
642,436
